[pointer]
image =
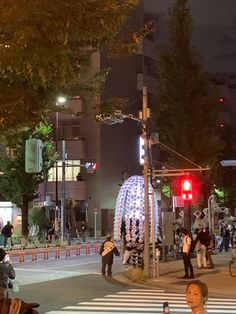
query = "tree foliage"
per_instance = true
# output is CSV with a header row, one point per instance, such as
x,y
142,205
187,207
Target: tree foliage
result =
x,y
45,48
187,101
16,185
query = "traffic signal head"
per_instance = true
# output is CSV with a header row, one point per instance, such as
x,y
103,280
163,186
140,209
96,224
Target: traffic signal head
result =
x,y
91,167
33,156
186,190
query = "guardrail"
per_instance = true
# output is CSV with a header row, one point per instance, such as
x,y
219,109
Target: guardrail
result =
x,y
34,254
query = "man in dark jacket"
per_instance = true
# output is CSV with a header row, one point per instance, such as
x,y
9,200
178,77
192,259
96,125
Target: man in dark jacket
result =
x,y
7,232
107,250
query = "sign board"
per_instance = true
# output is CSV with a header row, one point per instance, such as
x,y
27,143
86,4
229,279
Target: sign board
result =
x,y
95,210
228,163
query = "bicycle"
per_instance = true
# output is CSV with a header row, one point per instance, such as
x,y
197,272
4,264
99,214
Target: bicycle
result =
x,y
232,263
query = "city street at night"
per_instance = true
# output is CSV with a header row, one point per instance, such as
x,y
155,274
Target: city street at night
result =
x,y
75,285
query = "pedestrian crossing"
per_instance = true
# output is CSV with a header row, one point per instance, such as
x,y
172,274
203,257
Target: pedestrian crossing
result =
x,y
145,301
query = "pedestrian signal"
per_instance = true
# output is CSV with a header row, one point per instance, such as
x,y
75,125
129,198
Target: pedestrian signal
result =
x,y
186,190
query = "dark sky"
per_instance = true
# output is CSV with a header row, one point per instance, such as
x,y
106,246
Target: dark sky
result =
x,y
214,33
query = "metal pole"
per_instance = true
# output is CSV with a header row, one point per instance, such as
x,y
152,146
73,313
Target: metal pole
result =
x,y
146,194
95,225
187,215
210,218
56,182
63,190
209,213
154,273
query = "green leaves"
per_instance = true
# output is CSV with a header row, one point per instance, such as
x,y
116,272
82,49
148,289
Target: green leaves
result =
x,y
45,47
187,108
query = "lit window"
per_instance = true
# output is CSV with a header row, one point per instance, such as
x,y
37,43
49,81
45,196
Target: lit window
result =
x,y
71,170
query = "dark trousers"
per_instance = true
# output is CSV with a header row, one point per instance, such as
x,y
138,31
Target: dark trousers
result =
x,y
209,258
109,266
188,267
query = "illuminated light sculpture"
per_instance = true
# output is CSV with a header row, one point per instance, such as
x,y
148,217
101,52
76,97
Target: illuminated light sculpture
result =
x,y
130,208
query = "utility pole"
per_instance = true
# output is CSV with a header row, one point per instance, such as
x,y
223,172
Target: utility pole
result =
x,y
187,215
63,191
56,179
145,116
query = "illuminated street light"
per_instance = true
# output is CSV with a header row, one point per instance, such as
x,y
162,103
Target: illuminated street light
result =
x,y
60,100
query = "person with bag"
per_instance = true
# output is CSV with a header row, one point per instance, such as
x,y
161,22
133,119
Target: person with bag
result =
x,y
107,251
7,233
7,272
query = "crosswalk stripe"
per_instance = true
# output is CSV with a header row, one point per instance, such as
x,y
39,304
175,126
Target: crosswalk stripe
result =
x,y
144,301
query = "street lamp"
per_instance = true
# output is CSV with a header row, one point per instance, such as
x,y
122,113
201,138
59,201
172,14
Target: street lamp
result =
x,y
60,100
144,115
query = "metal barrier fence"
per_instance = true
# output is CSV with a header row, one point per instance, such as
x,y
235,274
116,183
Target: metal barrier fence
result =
x,y
45,253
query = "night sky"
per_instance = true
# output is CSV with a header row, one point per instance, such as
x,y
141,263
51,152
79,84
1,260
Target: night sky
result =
x,y
214,30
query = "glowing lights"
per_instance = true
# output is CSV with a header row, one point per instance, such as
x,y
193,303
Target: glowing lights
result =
x,y
186,190
130,209
141,151
221,100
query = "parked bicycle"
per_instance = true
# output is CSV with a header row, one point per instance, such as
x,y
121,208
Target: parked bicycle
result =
x,y
232,263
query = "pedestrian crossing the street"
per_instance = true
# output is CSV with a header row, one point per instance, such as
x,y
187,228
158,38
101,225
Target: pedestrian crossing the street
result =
x,y
145,301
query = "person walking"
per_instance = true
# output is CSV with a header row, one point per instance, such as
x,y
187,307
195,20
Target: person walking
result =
x,y
51,231
209,248
186,244
6,272
197,296
34,231
83,232
107,251
7,233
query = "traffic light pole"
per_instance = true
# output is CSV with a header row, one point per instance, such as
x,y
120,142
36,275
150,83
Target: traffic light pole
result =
x,y
187,215
63,191
146,192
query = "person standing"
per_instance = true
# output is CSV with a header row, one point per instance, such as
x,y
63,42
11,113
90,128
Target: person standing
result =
x,y
107,251
209,248
83,232
201,242
225,233
196,296
51,230
186,244
6,272
7,232
34,230
68,230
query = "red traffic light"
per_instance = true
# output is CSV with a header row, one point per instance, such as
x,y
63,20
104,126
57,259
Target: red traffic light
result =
x,y
221,100
186,190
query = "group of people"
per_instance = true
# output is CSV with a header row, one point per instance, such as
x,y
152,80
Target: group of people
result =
x,y
53,230
203,244
226,238
196,290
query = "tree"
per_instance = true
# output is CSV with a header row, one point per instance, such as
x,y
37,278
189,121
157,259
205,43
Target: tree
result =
x,y
15,184
187,101
45,49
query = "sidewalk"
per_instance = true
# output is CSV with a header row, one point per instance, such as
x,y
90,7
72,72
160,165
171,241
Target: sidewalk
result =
x,y
218,280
